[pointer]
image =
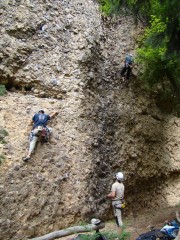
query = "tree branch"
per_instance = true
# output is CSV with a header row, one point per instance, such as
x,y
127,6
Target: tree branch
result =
x,y
178,219
70,231
178,216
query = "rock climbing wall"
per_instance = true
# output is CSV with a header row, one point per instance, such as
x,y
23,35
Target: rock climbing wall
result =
x,y
62,56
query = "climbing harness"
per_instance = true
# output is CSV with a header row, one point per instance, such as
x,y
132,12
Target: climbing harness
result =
x,y
120,205
43,133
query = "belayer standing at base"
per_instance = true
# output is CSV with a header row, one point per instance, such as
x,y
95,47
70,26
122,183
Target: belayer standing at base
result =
x,y
39,122
117,197
128,65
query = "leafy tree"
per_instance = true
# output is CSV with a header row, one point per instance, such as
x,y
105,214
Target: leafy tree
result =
x,y
159,51
139,8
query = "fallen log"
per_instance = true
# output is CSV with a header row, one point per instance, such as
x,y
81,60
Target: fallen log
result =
x,y
178,219
70,231
178,216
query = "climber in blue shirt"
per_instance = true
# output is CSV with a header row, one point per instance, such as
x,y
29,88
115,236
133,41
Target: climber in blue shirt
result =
x,y
128,64
40,119
39,122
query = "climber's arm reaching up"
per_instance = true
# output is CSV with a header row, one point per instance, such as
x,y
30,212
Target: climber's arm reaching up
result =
x,y
53,115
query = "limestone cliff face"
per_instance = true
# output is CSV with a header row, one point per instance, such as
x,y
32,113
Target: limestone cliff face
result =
x,y
60,55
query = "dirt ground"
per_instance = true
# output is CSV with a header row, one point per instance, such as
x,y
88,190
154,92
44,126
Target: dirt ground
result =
x,y
141,223
151,218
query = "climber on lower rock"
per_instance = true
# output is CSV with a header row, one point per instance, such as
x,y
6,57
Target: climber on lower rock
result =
x,y
117,197
39,122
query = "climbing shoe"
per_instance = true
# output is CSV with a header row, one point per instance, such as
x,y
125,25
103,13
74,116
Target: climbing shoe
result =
x,y
26,159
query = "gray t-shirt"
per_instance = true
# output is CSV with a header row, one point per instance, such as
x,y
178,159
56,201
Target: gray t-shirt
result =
x,y
118,188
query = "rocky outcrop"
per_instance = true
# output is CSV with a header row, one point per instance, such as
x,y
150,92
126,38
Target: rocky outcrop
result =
x,y
60,55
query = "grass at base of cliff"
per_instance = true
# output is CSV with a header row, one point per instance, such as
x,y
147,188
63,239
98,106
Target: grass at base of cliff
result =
x,y
2,158
110,235
2,90
3,134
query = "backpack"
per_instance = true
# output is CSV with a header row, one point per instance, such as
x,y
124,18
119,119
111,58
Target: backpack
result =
x,y
171,229
129,60
153,235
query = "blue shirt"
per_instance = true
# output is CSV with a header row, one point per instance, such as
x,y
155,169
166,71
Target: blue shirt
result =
x,y
40,119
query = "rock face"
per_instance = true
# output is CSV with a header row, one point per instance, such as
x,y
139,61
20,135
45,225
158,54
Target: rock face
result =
x,y
60,55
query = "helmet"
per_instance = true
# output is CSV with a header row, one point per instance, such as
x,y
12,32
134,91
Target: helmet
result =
x,y
95,221
130,55
119,176
41,111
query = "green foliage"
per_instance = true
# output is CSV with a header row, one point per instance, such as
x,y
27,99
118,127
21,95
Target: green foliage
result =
x,y
2,90
110,235
159,48
160,64
150,57
110,7
138,8
3,134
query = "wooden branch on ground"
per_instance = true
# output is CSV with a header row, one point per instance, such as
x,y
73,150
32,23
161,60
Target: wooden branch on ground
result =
x,y
70,231
178,216
178,219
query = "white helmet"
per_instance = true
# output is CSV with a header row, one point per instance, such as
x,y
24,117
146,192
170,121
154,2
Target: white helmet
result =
x,y
95,221
119,176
